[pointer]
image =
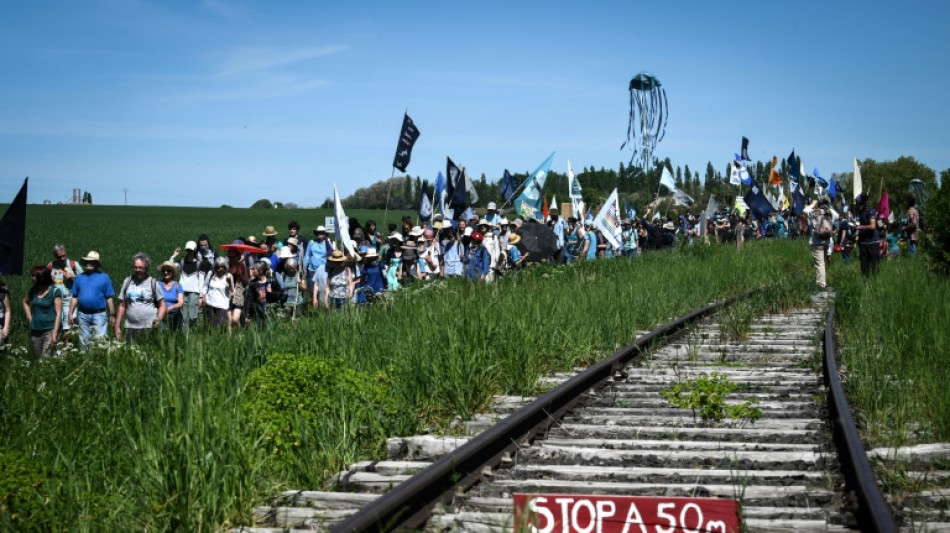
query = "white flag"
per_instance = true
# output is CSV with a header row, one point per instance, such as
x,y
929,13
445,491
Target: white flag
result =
x,y
342,223
553,203
856,181
666,180
470,188
608,220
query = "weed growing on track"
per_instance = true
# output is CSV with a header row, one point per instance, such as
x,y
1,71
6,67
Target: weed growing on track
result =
x,y
170,436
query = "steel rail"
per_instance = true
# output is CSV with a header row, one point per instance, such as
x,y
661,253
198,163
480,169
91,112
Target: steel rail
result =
x,y
873,512
408,505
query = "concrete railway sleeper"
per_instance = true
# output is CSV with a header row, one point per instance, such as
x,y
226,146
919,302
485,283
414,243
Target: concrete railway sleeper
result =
x,y
607,430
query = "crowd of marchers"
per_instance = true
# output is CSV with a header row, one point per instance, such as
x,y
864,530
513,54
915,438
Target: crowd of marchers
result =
x,y
249,280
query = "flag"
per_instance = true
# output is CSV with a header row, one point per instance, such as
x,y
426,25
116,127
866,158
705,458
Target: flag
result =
x,y
528,203
856,180
681,198
455,185
793,169
545,211
833,189
342,223
775,177
468,214
425,206
407,139
574,190
758,203
792,186
631,212
437,194
884,206
553,202
608,220
470,188
13,235
739,174
666,179
740,206
818,178
656,216
509,185
799,199
711,206
590,215
745,150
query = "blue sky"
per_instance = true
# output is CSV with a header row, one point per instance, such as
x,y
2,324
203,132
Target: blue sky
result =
x,y
213,102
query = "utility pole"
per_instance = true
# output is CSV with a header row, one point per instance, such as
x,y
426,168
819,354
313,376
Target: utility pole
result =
x,y
126,192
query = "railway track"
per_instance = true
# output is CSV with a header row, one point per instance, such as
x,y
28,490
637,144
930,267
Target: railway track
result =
x,y
608,430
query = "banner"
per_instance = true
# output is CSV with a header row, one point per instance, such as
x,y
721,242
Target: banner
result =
x,y
608,220
407,139
574,191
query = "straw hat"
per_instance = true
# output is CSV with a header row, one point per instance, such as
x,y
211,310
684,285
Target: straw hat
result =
x,y
514,238
269,231
669,226
171,265
337,256
319,229
92,256
484,222
396,236
251,239
415,231
371,254
285,253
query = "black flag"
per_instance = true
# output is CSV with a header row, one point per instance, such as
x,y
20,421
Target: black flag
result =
x,y
407,139
454,185
13,235
745,149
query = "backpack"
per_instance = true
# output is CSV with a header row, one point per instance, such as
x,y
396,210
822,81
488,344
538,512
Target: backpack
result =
x,y
824,229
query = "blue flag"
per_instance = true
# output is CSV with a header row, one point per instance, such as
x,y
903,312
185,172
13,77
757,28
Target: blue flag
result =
x,y
528,203
631,212
468,214
818,178
590,215
758,203
439,188
508,186
798,201
833,189
793,165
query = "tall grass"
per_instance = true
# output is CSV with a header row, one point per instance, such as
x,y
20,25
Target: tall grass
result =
x,y
156,437
895,344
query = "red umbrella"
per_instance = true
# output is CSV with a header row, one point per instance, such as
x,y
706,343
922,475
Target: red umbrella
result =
x,y
243,248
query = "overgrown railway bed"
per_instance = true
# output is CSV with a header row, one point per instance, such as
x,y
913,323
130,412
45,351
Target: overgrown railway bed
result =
x,y
607,430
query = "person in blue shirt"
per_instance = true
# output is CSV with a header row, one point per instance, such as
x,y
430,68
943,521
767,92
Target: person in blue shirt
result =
x,y
92,304
315,262
479,260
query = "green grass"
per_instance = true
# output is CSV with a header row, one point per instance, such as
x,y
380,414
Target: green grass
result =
x,y
894,343
159,438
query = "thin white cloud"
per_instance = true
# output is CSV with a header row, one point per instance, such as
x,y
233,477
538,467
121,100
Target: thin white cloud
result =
x,y
246,60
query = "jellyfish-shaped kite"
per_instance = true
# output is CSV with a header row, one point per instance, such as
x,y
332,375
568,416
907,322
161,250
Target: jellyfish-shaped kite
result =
x,y
648,110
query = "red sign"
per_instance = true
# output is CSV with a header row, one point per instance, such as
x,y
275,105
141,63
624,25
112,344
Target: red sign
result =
x,y
572,513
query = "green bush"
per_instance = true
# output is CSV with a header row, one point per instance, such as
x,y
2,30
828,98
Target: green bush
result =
x,y
292,395
22,492
936,238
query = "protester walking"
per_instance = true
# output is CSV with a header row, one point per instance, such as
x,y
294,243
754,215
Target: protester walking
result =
x,y
216,294
92,302
821,236
193,273
869,238
141,304
43,307
174,296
